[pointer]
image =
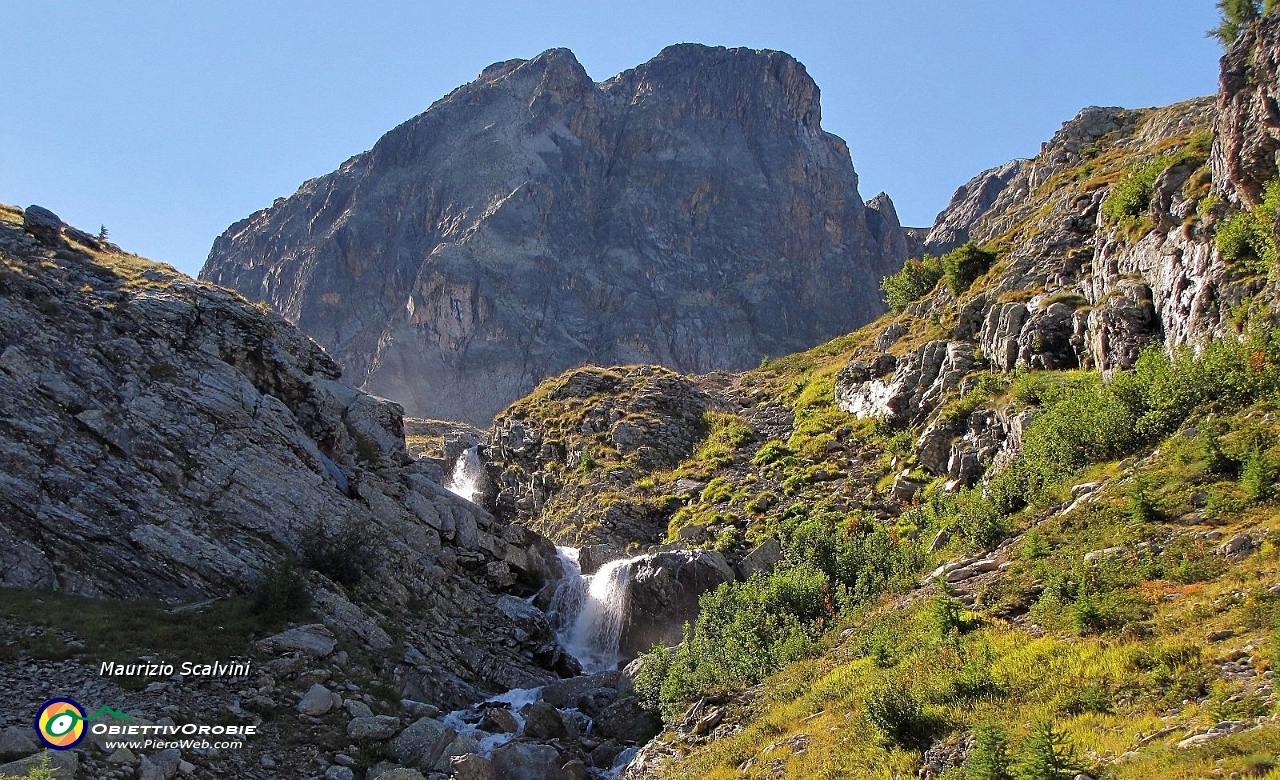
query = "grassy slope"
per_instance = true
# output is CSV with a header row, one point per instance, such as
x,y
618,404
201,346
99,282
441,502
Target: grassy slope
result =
x,y
1149,668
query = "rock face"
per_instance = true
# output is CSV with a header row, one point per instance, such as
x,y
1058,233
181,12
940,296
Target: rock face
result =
x,y
690,212
971,201
664,594
160,437
1247,131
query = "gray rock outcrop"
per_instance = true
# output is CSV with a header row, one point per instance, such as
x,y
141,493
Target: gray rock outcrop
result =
x,y
163,438
690,212
664,594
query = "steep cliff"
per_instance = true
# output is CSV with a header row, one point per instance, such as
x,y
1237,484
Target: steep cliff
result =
x,y
690,212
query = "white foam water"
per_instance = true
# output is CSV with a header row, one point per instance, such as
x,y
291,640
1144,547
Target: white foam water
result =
x,y
466,479
464,721
588,610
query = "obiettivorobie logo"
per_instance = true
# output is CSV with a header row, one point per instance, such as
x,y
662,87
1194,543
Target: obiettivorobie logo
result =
x,y
60,722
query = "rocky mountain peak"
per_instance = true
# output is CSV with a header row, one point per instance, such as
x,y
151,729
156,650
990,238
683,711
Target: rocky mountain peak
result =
x,y
688,212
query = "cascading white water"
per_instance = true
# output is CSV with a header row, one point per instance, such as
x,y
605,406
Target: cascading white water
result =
x,y
588,610
467,476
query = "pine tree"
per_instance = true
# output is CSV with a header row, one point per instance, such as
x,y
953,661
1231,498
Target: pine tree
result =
x,y
102,233
1046,756
1237,16
989,759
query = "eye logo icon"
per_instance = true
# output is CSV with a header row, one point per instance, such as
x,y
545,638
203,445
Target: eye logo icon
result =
x,y
60,724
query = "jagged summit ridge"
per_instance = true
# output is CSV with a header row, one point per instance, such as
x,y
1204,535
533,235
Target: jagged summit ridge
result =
x,y
689,212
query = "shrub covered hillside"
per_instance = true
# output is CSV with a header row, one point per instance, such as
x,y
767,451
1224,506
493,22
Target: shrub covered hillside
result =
x,y
1023,526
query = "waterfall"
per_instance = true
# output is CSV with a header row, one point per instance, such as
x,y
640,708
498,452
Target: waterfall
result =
x,y
467,478
588,610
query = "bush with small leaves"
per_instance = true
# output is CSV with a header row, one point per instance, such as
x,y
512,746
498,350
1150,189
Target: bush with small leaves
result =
x,y
343,553
1046,755
916,279
896,712
963,265
989,758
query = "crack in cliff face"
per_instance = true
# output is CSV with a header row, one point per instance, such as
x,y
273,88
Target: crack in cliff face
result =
x,y
698,186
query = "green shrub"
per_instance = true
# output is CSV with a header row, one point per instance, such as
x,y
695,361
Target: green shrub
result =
x,y
1256,478
1034,545
1142,508
989,758
282,594
916,279
344,553
963,265
945,617
772,452
746,630
1130,196
654,666
896,712
1248,237
1046,756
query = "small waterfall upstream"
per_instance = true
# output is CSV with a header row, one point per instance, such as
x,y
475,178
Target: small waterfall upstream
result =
x,y
588,610
467,478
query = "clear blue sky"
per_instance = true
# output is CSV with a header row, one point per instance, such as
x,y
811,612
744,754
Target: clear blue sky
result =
x,y
167,121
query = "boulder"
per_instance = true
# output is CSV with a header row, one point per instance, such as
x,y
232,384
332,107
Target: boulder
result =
x,y
761,560
905,488
472,766
566,693
457,745
543,722
413,746
527,761
43,224
318,701
663,595
575,770
625,720
498,720
17,742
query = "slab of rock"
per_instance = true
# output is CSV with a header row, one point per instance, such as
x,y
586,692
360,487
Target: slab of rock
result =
x,y
65,764
761,560
626,721
17,742
313,641
378,727
498,720
413,746
543,722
